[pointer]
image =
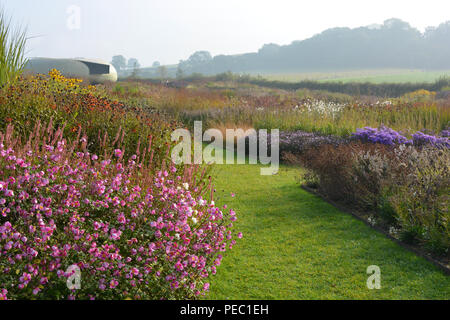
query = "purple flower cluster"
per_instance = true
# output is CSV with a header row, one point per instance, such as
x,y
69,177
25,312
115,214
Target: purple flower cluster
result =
x,y
382,135
445,133
388,136
420,139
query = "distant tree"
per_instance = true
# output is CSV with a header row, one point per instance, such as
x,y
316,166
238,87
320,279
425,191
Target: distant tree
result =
x,y
338,49
119,62
197,62
184,65
180,73
199,58
156,64
225,76
197,76
133,63
270,49
162,72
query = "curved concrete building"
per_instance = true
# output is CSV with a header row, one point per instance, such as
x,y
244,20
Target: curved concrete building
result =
x,y
93,70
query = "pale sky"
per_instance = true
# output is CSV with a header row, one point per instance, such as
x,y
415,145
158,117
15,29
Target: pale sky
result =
x,y
170,30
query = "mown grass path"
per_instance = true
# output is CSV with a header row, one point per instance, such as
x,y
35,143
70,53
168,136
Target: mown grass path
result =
x,y
297,246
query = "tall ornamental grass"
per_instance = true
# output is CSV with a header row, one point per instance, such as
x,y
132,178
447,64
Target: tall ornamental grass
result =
x,y
12,49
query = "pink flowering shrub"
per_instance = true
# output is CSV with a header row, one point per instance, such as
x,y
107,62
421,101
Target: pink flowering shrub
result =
x,y
132,234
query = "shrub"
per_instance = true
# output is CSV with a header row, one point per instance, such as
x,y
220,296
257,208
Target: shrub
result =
x,y
131,232
419,96
421,201
298,142
353,173
406,186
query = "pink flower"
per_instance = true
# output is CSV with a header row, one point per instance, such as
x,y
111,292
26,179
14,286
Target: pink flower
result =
x,y
3,293
118,153
115,234
174,285
121,218
113,284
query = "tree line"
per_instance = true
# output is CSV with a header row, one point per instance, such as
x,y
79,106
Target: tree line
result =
x,y
394,44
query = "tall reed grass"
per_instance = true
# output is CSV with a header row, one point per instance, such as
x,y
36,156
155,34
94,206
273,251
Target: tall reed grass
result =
x,y
12,50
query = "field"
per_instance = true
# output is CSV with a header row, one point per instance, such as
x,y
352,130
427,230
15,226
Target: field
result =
x,y
93,189
224,187
373,76
234,234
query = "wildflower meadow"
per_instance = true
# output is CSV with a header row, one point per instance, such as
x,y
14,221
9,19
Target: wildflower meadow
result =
x,y
93,207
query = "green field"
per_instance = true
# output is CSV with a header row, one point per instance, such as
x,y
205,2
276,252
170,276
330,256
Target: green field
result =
x,y
374,76
297,246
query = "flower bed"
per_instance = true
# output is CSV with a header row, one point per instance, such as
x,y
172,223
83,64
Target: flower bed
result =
x,y
69,104
130,233
403,187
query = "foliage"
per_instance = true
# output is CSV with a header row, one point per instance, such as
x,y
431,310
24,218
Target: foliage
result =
x,y
395,44
407,186
119,62
419,96
74,106
218,104
421,201
355,88
298,142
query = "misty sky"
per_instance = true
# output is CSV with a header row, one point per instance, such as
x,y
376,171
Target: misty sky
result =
x,y
170,30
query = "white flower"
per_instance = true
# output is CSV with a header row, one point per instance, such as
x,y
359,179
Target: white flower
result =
x,y
201,202
393,231
194,220
186,186
177,236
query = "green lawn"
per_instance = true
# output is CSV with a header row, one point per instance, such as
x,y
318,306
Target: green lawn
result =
x,y
297,246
